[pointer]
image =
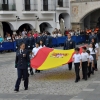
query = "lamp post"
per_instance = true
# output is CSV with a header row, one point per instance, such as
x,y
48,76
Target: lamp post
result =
x,y
17,18
37,26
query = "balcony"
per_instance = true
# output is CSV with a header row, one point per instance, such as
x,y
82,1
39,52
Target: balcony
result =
x,y
62,5
48,9
7,9
85,0
30,9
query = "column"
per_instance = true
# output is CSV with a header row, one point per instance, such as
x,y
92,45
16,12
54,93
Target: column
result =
x,y
1,29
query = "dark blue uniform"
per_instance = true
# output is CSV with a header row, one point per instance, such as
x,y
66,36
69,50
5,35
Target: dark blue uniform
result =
x,y
31,42
93,37
69,45
18,42
22,68
48,41
26,41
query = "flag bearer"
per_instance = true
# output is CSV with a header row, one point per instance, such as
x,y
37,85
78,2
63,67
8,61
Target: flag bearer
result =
x,y
69,44
85,62
78,63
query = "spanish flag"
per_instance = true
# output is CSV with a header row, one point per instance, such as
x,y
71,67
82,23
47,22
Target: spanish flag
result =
x,y
48,58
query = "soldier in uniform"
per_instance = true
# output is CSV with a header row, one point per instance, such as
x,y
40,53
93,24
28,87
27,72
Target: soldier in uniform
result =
x,y
26,41
48,41
21,63
18,41
31,42
69,44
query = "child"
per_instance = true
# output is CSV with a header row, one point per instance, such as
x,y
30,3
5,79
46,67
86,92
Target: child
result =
x,y
30,56
85,62
94,53
91,64
35,51
77,62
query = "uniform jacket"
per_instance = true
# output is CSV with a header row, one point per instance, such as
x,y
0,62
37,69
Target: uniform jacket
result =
x,y
48,41
20,61
26,41
31,41
69,45
18,42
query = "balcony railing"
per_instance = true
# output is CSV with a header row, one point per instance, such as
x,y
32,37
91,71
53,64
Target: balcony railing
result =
x,y
49,7
31,7
7,7
85,0
64,4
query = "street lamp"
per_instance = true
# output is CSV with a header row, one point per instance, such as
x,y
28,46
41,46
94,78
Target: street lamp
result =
x,y
17,18
37,26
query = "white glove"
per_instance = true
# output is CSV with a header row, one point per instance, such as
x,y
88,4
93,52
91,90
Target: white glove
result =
x,y
28,46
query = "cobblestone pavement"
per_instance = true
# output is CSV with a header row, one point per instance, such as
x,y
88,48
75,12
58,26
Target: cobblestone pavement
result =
x,y
56,82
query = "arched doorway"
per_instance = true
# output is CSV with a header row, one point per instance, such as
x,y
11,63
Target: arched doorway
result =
x,y
7,28
66,18
26,26
91,20
45,27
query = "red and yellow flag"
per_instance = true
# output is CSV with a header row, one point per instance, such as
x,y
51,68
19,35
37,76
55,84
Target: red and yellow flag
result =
x,y
48,58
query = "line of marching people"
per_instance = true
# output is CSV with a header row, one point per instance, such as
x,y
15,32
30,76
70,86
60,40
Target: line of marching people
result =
x,y
87,60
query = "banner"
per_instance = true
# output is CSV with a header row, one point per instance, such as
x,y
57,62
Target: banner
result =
x,y
48,58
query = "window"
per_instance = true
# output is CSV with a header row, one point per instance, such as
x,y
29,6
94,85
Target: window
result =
x,y
27,2
5,1
45,5
60,3
27,5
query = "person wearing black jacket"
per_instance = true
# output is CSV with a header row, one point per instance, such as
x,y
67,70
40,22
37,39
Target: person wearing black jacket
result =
x,y
48,41
69,44
21,63
31,44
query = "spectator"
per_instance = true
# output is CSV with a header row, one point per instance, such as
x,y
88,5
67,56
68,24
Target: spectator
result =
x,y
9,39
59,34
24,32
1,40
54,34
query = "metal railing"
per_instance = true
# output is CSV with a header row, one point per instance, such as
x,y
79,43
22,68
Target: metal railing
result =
x,y
85,0
49,7
8,7
64,4
31,7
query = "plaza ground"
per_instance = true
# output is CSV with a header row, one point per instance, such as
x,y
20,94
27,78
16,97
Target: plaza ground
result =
x,y
55,84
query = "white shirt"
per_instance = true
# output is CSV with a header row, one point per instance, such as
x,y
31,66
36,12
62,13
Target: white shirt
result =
x,y
8,38
77,58
92,51
84,57
35,51
91,58
41,46
97,45
21,51
59,35
23,33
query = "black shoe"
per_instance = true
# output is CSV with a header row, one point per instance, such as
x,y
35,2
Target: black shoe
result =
x,y
96,69
83,78
76,81
26,89
79,79
86,79
16,90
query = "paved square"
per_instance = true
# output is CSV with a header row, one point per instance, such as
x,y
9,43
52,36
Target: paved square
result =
x,y
55,84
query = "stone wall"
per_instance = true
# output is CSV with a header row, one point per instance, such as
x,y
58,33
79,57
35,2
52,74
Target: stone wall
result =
x,y
80,10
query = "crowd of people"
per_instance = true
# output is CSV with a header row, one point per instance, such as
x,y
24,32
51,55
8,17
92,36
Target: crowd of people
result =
x,y
87,60
29,43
